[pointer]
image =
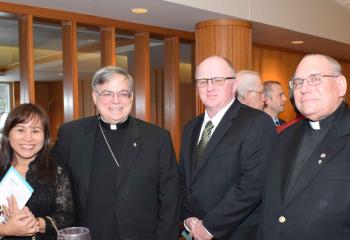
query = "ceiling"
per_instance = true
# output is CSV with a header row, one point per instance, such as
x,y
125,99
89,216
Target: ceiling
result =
x,y
161,13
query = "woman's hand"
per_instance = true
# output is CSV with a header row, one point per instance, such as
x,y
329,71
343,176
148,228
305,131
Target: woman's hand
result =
x,y
21,222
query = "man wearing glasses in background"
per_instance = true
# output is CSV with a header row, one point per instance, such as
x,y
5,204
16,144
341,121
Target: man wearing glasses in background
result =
x,y
307,193
123,170
250,89
223,157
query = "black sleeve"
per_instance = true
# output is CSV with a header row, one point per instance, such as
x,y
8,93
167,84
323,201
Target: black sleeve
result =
x,y
64,205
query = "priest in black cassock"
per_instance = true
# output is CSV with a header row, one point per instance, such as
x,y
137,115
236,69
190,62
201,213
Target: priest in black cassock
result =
x,y
307,192
123,170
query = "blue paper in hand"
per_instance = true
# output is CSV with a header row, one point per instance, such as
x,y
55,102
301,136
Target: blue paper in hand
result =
x,y
186,235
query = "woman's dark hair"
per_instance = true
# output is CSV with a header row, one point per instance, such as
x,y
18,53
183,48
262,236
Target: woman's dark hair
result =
x,y
45,168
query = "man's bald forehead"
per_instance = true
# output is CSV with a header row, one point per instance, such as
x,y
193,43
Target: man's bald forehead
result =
x,y
322,60
216,61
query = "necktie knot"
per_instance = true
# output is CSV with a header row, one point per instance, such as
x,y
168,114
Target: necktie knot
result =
x,y
206,134
208,127
277,122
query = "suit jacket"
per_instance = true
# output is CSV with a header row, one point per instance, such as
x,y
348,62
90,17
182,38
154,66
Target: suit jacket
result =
x,y
318,205
147,197
226,188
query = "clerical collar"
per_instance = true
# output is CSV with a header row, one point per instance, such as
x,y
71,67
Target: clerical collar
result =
x,y
317,125
113,127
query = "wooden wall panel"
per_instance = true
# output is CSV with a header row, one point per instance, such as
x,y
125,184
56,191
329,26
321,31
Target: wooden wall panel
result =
x,y
172,89
16,94
142,95
49,96
187,99
86,103
346,71
108,46
225,37
26,59
56,107
70,71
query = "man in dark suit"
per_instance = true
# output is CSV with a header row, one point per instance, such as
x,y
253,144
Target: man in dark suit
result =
x,y
123,170
307,192
250,89
275,100
222,169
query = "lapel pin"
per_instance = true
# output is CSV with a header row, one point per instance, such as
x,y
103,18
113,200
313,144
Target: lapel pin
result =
x,y
135,144
319,161
323,155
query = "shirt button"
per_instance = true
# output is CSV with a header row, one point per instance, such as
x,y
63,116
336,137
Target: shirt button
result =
x,y
282,219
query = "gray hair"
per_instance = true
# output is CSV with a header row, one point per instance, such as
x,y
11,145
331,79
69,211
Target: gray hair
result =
x,y
268,87
247,80
106,73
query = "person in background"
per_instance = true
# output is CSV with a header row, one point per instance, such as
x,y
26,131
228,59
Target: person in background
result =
x,y
124,170
307,191
223,157
250,89
25,146
274,100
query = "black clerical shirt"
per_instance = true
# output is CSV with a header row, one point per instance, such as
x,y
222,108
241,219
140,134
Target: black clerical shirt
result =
x,y
310,140
102,196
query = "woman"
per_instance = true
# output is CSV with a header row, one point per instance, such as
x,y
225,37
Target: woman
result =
x,y
25,146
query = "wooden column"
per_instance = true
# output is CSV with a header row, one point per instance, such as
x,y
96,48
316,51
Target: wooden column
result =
x,y
108,46
172,90
26,59
228,38
142,96
70,71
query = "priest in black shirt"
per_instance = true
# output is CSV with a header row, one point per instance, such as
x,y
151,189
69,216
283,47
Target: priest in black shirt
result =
x,y
307,193
123,170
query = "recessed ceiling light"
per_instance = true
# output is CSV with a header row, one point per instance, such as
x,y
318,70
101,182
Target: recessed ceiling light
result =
x,y
139,10
297,42
91,40
60,74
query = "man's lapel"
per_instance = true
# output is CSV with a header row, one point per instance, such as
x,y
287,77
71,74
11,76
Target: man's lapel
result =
x,y
288,158
324,152
193,140
131,148
85,151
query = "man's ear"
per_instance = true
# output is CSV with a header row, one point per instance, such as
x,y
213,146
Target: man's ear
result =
x,y
94,97
234,86
341,85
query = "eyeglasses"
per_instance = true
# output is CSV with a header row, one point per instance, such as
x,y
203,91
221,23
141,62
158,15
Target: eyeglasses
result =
x,y
312,80
258,92
109,95
216,81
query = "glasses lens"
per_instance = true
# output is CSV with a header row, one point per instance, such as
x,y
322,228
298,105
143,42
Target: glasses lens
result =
x,y
218,81
202,82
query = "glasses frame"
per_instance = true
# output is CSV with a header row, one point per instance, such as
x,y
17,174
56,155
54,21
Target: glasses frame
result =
x,y
214,81
310,80
262,92
113,94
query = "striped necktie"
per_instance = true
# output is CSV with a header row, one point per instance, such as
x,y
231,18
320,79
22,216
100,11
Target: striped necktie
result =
x,y
203,142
